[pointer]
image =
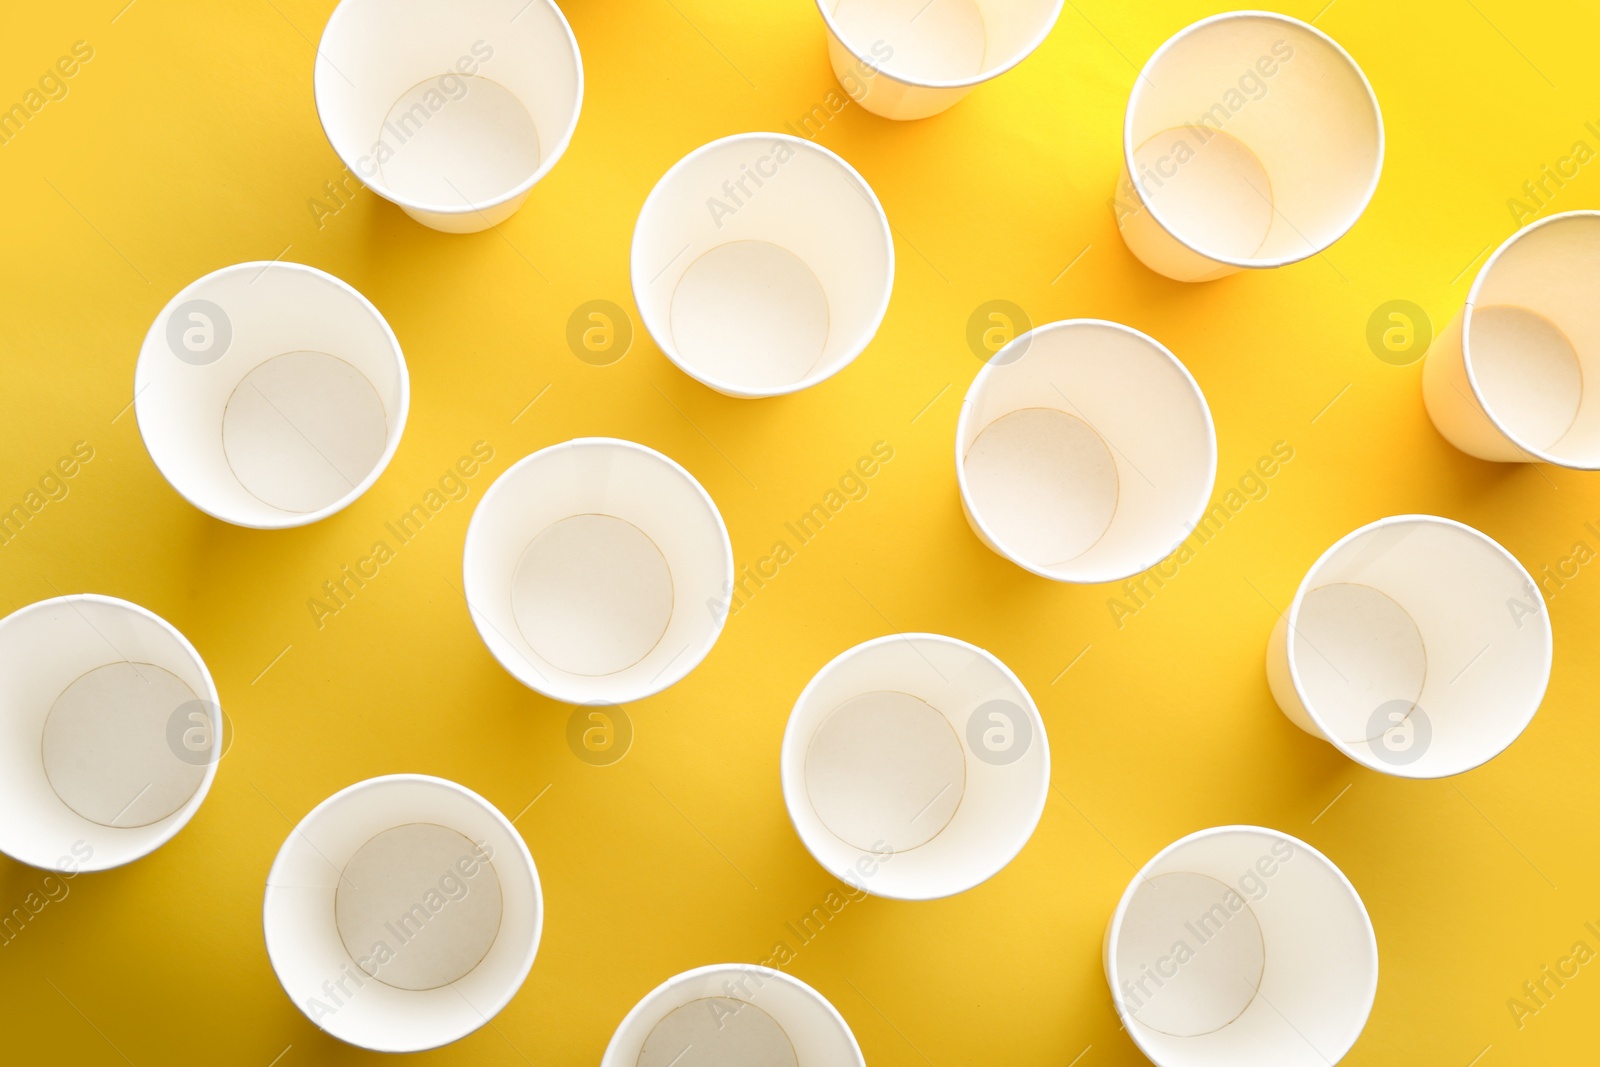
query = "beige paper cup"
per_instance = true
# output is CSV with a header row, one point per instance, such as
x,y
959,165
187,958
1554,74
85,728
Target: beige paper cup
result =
x,y
1252,140
1508,379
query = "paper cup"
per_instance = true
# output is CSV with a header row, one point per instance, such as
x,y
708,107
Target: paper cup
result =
x,y
1085,452
1507,379
762,264
1252,140
1416,646
1241,946
403,913
915,766
110,732
270,395
733,1013
908,59
452,109
593,568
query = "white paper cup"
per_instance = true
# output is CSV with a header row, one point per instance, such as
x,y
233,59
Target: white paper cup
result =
x,y
110,732
1252,140
733,1013
271,395
452,109
762,264
591,570
1507,380
1085,452
915,766
909,59
1415,645
1241,946
434,874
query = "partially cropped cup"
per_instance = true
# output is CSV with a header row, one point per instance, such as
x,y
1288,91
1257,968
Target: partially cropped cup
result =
x,y
1244,946
452,109
1512,377
1252,140
593,570
271,395
1416,646
1085,452
762,264
403,913
915,766
733,1014
909,59
110,732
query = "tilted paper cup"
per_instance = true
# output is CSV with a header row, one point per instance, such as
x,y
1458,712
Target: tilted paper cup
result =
x,y
1242,946
734,1013
762,264
110,732
909,59
1415,645
393,884
1508,379
915,766
271,395
592,570
452,109
1252,140
1085,452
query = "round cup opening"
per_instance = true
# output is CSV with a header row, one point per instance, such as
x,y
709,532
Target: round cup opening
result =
x,y
762,264
915,766
1253,139
942,43
595,570
1085,452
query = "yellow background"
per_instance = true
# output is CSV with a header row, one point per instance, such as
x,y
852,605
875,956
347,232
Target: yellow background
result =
x,y
190,142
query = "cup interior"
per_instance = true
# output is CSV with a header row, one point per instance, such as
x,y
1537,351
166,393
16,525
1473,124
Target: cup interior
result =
x,y
762,264
1419,646
942,42
102,706
386,888
1242,946
1085,451
1254,139
449,107
915,766
1532,339
593,569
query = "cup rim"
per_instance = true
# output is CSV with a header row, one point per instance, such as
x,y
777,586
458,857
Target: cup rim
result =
x,y
1119,915
402,410
182,817
791,763
1292,619
1037,39
668,677
382,188
663,336
1240,262
1478,283
963,421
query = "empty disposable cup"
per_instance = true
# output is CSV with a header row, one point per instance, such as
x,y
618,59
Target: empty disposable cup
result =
x,y
733,1015
1252,140
403,913
1508,379
110,732
452,109
762,264
1241,946
594,568
270,395
1085,452
1415,645
915,766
